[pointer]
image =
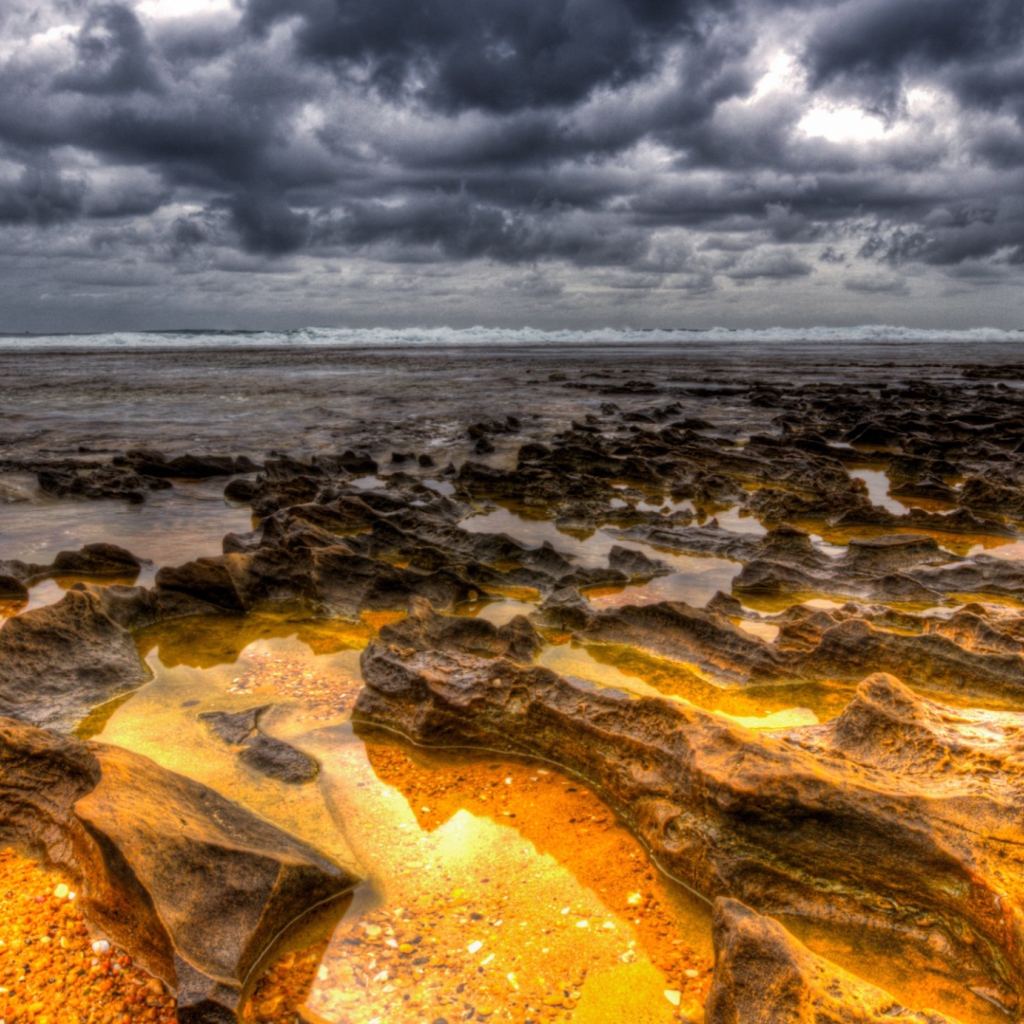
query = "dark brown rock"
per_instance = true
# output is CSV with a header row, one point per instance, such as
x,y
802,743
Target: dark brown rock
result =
x,y
12,589
207,579
424,629
58,663
96,560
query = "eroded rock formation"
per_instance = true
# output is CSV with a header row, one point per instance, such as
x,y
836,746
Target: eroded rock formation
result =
x,y
900,813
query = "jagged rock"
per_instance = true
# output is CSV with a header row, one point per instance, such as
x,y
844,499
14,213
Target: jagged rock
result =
x,y
900,813
929,488
59,662
961,521
188,466
424,629
564,609
763,975
992,497
197,889
766,578
135,608
706,639
875,556
240,490
98,483
635,564
96,560
854,649
208,579
981,574
709,539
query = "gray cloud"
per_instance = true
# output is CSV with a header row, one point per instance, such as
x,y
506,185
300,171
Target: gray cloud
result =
x,y
642,158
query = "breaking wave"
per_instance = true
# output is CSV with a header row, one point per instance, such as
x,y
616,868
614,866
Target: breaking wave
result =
x,y
438,337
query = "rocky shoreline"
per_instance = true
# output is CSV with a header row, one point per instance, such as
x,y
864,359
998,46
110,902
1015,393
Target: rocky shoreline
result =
x,y
898,815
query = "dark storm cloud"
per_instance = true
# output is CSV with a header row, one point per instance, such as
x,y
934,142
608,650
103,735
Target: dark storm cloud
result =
x,y
877,43
40,196
640,145
112,54
501,55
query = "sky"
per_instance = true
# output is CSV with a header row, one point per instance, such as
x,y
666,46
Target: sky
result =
x,y
270,164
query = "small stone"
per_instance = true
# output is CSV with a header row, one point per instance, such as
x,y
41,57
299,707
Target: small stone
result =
x,y
101,946
475,947
61,892
691,973
673,996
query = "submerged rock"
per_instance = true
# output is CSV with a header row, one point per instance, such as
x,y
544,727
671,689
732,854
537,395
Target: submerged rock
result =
x,y
197,889
763,975
900,813
278,760
266,754
233,727
58,663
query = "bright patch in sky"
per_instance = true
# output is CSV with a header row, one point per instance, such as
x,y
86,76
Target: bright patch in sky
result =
x,y
183,8
841,124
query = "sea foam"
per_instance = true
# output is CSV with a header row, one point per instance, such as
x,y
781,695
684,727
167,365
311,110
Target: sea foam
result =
x,y
439,337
